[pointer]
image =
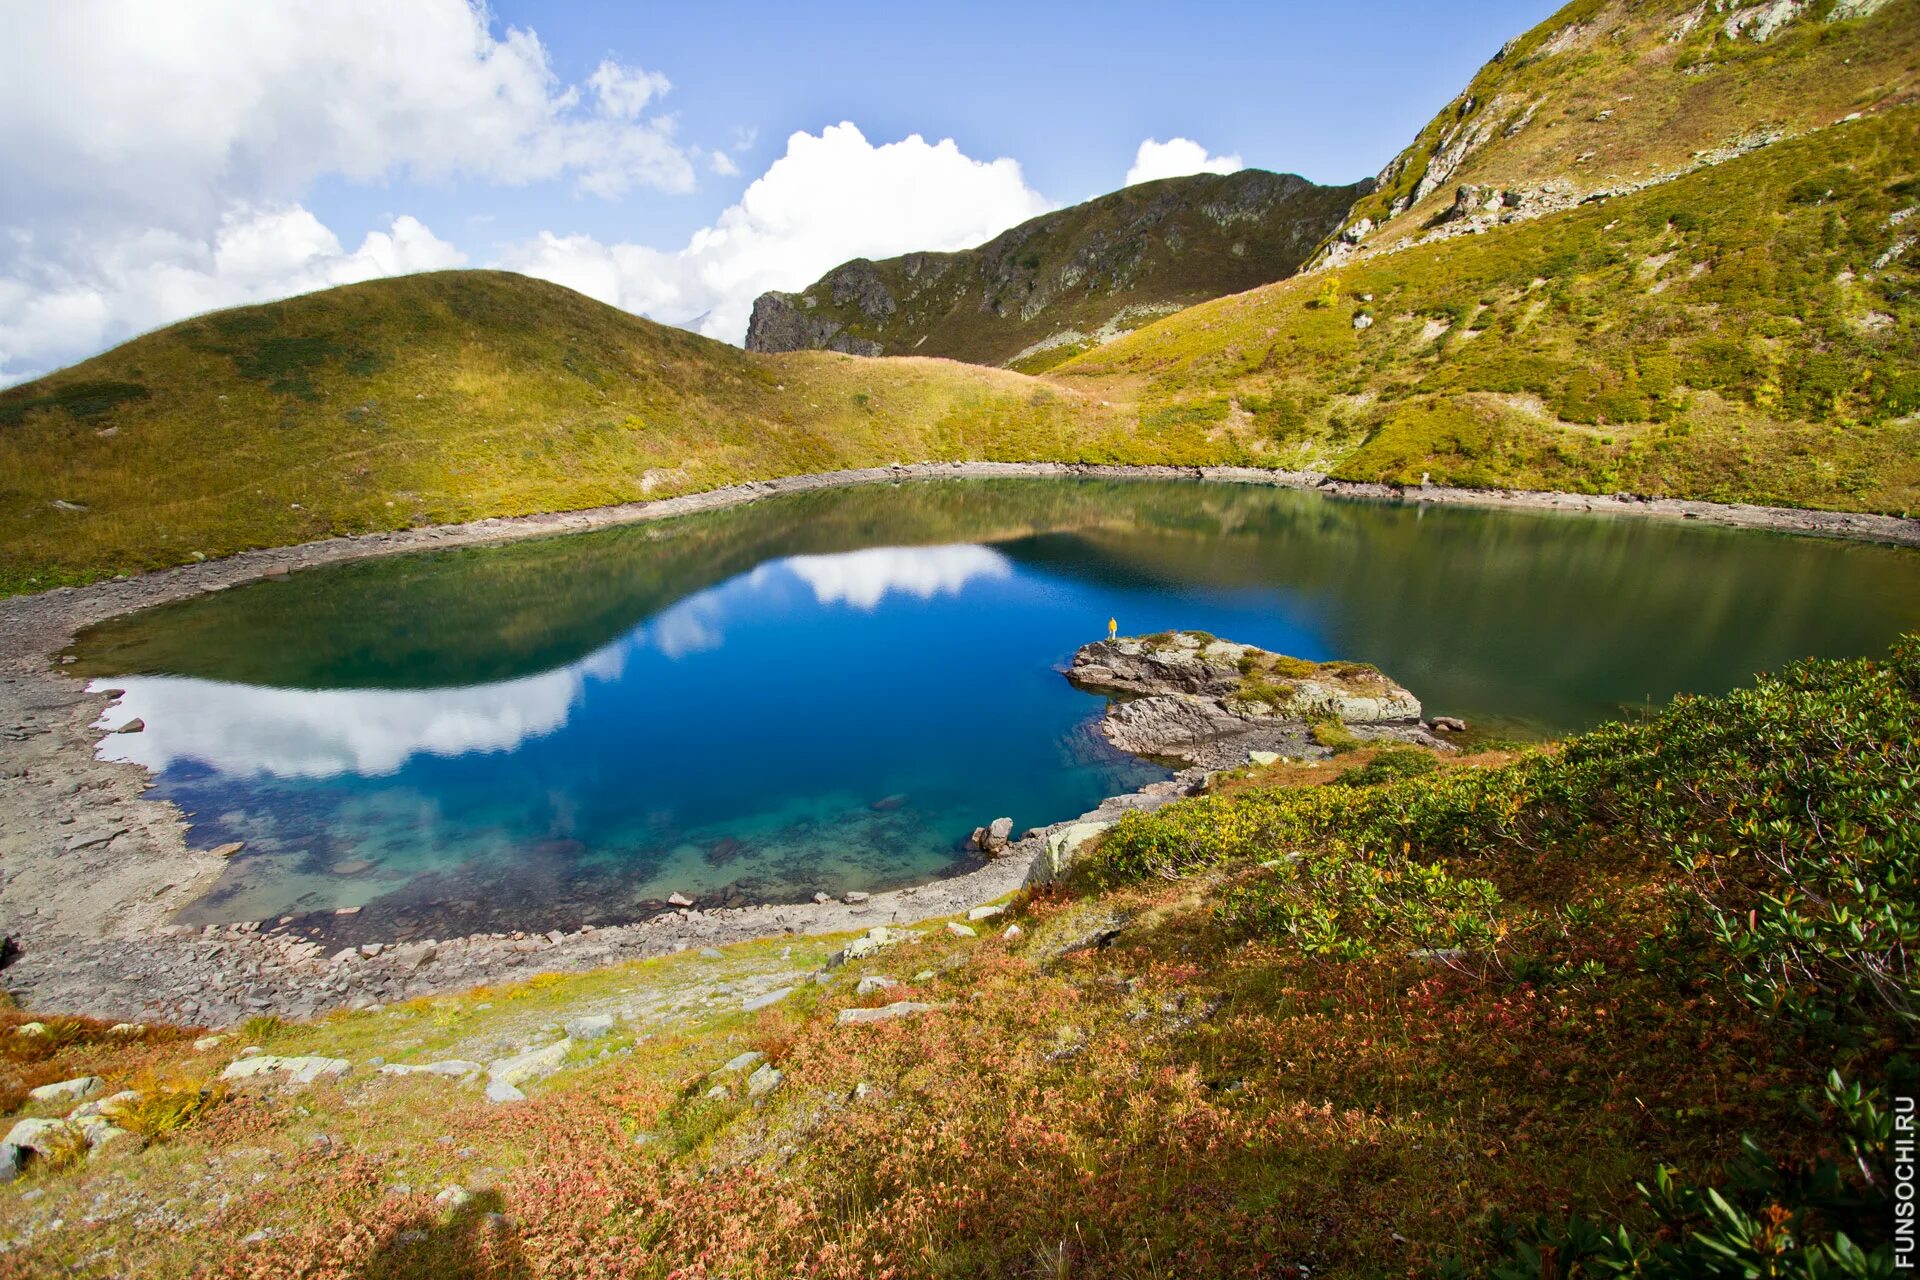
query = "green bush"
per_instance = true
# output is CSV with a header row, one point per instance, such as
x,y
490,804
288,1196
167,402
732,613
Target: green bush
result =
x,y
1789,809
1390,765
1345,903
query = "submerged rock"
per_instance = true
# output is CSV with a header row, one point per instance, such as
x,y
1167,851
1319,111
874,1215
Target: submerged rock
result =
x,y
1187,695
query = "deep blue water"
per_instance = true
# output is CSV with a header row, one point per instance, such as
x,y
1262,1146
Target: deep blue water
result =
x,y
829,692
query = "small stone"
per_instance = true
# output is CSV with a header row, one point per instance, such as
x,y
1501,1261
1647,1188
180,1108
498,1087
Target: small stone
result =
x,y
346,911
371,949
344,954
855,897
1013,933
711,953
501,1091
876,982
986,913
453,1197
135,725
719,1093
764,1081
128,1029
959,930
227,850
677,899
925,975
1263,757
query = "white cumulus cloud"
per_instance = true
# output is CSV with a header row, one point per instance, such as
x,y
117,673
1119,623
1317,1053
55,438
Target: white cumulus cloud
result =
x,y
156,155
98,293
1176,158
830,197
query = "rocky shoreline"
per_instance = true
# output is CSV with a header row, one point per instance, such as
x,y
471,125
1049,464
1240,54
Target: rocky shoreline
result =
x,y
90,873
1212,703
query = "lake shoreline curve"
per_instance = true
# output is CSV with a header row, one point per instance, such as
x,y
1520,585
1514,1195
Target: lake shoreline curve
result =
x,y
93,872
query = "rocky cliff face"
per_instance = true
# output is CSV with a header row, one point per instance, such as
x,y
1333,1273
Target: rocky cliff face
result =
x,y
1066,281
1189,696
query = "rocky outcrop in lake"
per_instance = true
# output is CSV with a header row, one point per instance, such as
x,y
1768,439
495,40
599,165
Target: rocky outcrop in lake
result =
x,y
1188,696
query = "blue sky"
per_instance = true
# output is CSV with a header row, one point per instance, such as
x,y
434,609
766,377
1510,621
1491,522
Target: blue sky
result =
x,y
675,161
1330,92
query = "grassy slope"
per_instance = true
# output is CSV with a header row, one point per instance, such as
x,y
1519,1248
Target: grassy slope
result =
x,y
1155,246
1616,98
1747,332
1252,1075
458,395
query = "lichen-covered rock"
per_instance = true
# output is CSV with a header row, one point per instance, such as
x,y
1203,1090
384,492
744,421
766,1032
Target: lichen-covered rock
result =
x,y
1188,695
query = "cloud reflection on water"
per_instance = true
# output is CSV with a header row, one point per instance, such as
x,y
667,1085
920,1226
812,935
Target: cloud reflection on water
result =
x,y
249,730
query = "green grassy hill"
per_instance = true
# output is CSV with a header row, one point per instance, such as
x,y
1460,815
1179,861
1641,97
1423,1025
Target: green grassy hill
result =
x,y
1747,332
1064,281
454,396
1606,94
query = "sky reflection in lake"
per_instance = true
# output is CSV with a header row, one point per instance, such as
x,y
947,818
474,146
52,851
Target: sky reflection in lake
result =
x,y
828,691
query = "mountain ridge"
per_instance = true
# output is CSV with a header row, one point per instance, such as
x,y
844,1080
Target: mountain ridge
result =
x,y
1061,282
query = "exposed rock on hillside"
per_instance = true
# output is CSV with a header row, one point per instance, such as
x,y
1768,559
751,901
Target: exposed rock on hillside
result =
x,y
1608,97
1189,696
1065,281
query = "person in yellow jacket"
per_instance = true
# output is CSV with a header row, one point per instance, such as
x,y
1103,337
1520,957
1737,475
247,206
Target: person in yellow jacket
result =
x,y
1113,628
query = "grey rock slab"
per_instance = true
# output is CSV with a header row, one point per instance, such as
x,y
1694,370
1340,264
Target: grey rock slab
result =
x,y
533,1064
453,1068
68,1090
590,1027
885,1013
500,1091
763,1001
303,1070
743,1062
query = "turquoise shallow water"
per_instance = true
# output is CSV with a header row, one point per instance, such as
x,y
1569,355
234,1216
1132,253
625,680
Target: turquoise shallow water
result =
x,y
829,691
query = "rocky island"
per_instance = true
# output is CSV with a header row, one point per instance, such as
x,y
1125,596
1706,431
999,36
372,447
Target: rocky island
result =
x,y
1188,696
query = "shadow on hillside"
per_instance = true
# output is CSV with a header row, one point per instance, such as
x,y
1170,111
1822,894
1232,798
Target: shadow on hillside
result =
x,y
477,1240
